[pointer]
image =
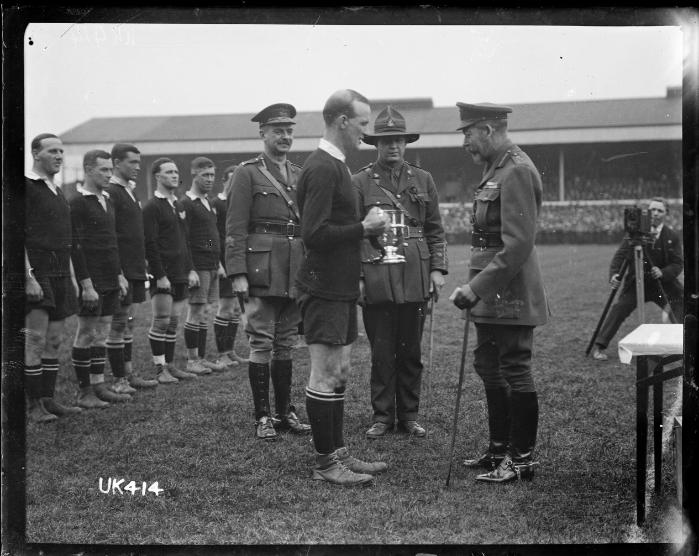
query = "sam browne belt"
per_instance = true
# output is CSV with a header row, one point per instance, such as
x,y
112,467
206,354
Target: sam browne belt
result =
x,y
484,240
283,229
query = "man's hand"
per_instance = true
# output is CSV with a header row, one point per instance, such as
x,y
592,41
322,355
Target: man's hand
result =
x,y
163,284
33,290
436,283
614,281
656,273
89,296
240,285
463,297
193,279
362,293
221,271
376,222
123,286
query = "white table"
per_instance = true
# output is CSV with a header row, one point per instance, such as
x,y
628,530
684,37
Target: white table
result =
x,y
655,346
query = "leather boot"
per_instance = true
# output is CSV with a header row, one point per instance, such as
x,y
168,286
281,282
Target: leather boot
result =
x,y
285,418
498,400
103,392
88,400
37,413
137,381
52,406
258,373
359,466
330,468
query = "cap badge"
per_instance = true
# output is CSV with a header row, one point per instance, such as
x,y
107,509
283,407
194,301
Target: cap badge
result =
x,y
390,123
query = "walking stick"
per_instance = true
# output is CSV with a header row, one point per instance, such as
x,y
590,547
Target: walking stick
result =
x,y
429,356
467,318
622,271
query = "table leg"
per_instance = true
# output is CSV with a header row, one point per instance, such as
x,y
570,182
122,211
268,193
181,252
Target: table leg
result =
x,y
641,437
658,427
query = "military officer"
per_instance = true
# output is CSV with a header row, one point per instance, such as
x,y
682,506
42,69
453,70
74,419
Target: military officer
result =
x,y
263,252
505,291
394,295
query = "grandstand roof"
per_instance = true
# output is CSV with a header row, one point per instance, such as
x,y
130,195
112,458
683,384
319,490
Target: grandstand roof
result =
x,y
419,112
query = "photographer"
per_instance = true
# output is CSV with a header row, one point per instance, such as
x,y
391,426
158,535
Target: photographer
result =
x,y
665,251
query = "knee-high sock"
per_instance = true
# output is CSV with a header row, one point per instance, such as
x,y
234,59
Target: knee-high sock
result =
x,y
339,418
98,358
48,377
115,354
128,347
191,335
220,334
321,407
203,328
33,381
171,339
232,331
81,363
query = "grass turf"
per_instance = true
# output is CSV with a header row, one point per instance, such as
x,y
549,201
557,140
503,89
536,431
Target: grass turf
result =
x,y
222,486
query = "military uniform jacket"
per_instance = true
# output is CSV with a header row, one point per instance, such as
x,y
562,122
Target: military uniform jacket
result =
x,y
666,254
269,259
507,279
416,191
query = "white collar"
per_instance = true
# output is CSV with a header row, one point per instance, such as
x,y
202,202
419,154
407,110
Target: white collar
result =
x,y
159,195
659,228
194,196
130,185
331,149
86,193
32,175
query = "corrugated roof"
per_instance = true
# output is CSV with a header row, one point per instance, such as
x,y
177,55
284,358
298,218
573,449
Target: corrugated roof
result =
x,y
540,116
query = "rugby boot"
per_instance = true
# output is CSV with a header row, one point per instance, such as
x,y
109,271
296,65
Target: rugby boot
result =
x,y
164,376
197,367
122,386
413,428
213,365
138,382
87,399
359,466
226,362
498,400
103,392
378,429
291,422
178,373
264,429
233,356
329,468
52,406
37,413
598,354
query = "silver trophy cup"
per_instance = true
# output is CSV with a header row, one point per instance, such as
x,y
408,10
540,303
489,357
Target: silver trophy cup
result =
x,y
391,239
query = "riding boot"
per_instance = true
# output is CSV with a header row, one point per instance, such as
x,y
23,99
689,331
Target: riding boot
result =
x,y
259,384
285,418
498,400
523,429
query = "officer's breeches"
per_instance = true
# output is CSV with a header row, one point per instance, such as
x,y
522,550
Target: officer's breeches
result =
x,y
272,327
503,356
395,333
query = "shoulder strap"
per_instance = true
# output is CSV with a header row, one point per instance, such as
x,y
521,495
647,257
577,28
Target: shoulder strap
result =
x,y
398,204
290,203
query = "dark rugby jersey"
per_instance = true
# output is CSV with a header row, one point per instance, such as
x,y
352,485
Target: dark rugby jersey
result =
x,y
203,234
129,230
95,251
167,249
48,235
220,203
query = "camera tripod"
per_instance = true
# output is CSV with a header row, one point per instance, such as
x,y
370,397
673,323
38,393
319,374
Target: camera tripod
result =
x,y
640,252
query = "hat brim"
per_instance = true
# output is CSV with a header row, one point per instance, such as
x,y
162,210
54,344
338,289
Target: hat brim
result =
x,y
370,139
277,121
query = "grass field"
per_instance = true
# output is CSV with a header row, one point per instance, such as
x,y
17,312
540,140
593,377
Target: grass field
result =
x,y
221,486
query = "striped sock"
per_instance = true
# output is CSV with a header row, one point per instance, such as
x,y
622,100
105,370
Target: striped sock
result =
x,y
128,346
98,358
232,331
81,364
170,339
33,380
203,329
339,418
157,344
48,377
115,354
220,332
191,335
321,407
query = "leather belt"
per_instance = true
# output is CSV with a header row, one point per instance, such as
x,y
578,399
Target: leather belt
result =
x,y
484,240
414,232
289,229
